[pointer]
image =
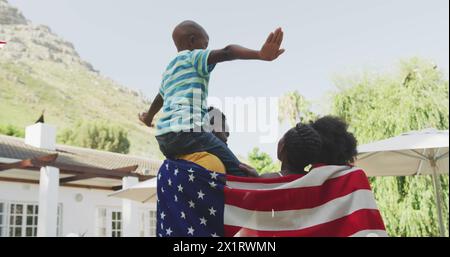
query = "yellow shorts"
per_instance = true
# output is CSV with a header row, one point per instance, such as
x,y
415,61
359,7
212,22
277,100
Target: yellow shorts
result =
x,y
206,160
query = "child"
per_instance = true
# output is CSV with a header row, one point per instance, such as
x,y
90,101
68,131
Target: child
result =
x,y
182,128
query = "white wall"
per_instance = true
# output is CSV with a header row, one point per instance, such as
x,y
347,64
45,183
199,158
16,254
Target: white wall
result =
x,y
78,217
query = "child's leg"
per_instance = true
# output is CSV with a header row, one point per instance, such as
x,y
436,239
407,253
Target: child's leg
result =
x,y
180,143
175,144
213,145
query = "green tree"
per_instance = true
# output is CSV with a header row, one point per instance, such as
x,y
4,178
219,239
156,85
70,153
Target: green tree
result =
x,y
378,106
96,135
262,161
294,108
11,130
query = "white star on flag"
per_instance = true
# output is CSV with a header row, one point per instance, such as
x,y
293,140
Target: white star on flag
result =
x,y
191,177
168,231
175,172
203,221
214,175
183,215
180,188
167,166
190,170
212,211
200,194
212,184
176,198
191,231
169,182
191,204
214,235
163,215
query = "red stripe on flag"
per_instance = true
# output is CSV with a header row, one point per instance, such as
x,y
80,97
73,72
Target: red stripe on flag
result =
x,y
360,220
296,198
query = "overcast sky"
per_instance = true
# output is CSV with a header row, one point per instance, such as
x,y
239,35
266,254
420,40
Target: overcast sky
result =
x,y
130,41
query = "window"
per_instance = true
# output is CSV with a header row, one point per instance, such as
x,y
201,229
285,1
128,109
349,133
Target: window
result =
x,y
116,223
148,223
152,223
2,218
23,220
20,219
109,222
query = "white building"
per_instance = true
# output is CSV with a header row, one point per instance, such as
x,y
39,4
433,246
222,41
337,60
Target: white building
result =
x,y
57,190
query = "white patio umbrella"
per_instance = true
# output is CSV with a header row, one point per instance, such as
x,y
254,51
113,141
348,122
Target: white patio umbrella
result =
x,y
143,192
414,153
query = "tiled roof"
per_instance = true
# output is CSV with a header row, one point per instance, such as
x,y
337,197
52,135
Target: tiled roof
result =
x,y
15,148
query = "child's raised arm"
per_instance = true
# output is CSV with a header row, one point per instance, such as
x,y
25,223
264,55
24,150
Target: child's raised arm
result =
x,y
147,117
269,51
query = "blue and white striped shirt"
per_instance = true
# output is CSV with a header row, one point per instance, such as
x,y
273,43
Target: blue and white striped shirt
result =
x,y
184,89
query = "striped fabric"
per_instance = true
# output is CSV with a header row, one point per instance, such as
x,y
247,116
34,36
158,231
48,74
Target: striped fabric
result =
x,y
330,201
184,89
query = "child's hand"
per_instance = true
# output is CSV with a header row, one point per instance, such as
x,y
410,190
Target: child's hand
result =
x,y
271,48
143,116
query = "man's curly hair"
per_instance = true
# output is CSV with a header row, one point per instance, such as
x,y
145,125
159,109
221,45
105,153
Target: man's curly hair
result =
x,y
338,145
303,145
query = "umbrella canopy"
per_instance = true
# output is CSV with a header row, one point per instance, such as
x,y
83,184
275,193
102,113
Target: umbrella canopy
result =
x,y
143,192
411,153
414,153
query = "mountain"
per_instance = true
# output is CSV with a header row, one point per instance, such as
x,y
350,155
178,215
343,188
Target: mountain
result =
x,y
40,70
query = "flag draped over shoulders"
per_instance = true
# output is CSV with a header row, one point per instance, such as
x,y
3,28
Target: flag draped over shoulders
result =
x,y
328,201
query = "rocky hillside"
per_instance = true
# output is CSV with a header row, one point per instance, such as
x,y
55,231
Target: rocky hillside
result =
x,y
40,70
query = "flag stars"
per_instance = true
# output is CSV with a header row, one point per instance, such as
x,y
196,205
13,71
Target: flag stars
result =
x,y
212,211
162,189
191,204
191,231
176,198
183,215
175,172
167,166
203,221
214,175
200,194
214,235
162,216
169,182
180,188
191,177
169,231
190,170
212,184
159,176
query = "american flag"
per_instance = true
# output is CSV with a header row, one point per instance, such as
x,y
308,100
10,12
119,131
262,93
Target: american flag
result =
x,y
331,201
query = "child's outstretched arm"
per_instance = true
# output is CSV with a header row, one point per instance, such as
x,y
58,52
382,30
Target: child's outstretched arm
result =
x,y
147,117
269,51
